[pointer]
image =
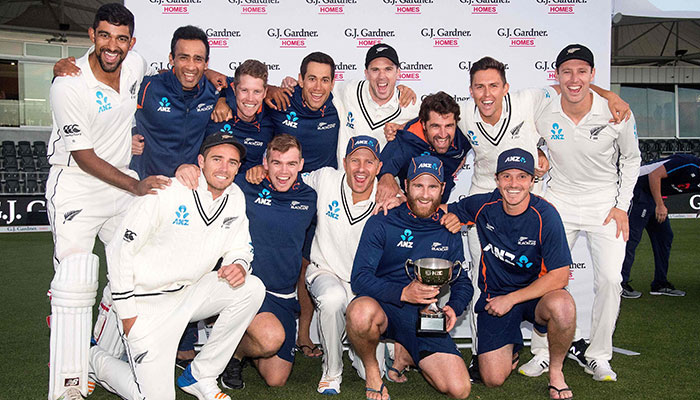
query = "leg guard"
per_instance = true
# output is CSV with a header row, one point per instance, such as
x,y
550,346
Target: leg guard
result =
x,y
73,291
106,332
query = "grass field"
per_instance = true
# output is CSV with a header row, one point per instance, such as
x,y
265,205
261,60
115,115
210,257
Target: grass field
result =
x,y
665,330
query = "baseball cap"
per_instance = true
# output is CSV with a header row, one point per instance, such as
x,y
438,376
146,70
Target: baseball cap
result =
x,y
516,159
222,138
381,50
425,165
575,52
362,141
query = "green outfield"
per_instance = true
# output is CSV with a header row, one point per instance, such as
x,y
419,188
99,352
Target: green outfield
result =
x,y
664,330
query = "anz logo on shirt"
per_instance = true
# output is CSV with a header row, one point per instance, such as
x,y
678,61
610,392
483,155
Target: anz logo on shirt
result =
x,y
164,105
103,102
502,255
406,239
181,216
291,120
557,132
264,198
472,138
333,210
351,121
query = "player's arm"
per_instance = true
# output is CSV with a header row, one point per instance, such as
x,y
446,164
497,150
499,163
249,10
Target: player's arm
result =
x,y
278,98
92,164
363,279
628,172
393,159
655,178
239,251
406,96
461,290
552,280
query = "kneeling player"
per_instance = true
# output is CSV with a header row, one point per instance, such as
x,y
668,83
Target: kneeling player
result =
x,y
388,301
524,268
280,209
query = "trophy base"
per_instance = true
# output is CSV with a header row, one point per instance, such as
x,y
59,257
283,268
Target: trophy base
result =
x,y
431,323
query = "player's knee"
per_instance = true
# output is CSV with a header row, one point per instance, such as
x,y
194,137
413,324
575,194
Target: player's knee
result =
x,y
276,380
459,388
493,380
360,314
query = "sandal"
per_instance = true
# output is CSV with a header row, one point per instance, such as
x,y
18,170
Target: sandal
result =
x,y
566,389
380,391
300,348
389,362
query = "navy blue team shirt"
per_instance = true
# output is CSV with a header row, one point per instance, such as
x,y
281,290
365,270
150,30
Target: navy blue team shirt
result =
x,y
173,122
317,131
388,241
683,172
516,250
277,223
411,142
254,135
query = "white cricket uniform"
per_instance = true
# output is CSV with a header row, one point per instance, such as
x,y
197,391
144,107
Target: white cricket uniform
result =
x,y
515,128
359,114
340,224
594,167
88,114
160,271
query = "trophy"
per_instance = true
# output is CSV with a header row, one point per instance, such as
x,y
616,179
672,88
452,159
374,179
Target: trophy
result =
x,y
434,272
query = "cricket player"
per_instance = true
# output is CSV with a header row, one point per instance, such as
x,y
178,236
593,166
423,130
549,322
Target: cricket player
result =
x,y
524,271
161,278
595,165
346,199
280,210
434,132
676,174
387,301
250,119
89,184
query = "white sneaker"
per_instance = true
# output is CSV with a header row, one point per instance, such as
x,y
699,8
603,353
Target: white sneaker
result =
x,y
71,394
206,389
601,370
535,367
329,386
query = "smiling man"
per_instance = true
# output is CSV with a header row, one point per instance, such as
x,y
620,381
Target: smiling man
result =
x,y
280,209
161,278
525,267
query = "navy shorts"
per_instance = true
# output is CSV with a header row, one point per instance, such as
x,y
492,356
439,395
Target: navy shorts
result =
x,y
286,311
496,332
402,328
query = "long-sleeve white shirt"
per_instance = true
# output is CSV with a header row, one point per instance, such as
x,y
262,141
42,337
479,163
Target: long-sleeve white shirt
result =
x,y
594,164
171,239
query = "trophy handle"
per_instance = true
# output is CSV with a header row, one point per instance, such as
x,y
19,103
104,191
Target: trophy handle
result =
x,y
405,265
459,270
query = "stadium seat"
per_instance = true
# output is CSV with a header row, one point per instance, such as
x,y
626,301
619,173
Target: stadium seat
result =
x,y
42,164
11,185
28,164
8,149
39,149
31,185
24,148
643,146
10,164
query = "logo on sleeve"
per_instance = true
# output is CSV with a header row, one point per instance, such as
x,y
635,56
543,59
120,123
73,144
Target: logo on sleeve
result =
x,y
437,246
351,121
333,210
264,198
181,216
557,132
164,105
103,102
133,88
71,130
595,131
406,239
129,236
296,205
291,120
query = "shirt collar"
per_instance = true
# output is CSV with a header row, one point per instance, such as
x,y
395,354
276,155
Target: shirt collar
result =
x,y
348,192
392,104
598,107
504,112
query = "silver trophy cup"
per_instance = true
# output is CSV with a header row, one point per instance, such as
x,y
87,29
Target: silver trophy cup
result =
x,y
433,272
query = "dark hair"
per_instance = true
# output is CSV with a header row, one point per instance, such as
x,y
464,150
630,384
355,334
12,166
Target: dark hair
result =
x,y
441,103
282,143
321,58
189,32
254,68
115,14
488,63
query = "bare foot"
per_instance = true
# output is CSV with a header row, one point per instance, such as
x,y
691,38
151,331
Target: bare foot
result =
x,y
376,392
309,349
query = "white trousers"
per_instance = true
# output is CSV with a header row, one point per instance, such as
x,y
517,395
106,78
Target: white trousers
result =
x,y
152,342
475,253
607,254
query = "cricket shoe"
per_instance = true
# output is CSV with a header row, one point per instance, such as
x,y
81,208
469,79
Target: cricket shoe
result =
x,y
537,366
576,352
666,289
232,377
203,390
330,386
601,370
474,374
629,293
71,394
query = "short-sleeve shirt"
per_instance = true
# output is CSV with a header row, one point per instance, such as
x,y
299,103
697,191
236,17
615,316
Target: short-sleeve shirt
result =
x,y
683,172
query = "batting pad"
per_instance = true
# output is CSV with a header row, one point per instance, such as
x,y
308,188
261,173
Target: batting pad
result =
x,y
106,332
73,291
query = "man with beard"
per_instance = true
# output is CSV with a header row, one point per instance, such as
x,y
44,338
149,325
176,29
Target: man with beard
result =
x,y
524,271
161,278
89,184
346,199
280,209
388,301
434,132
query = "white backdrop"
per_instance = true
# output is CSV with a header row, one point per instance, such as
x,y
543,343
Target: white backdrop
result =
x,y
437,40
